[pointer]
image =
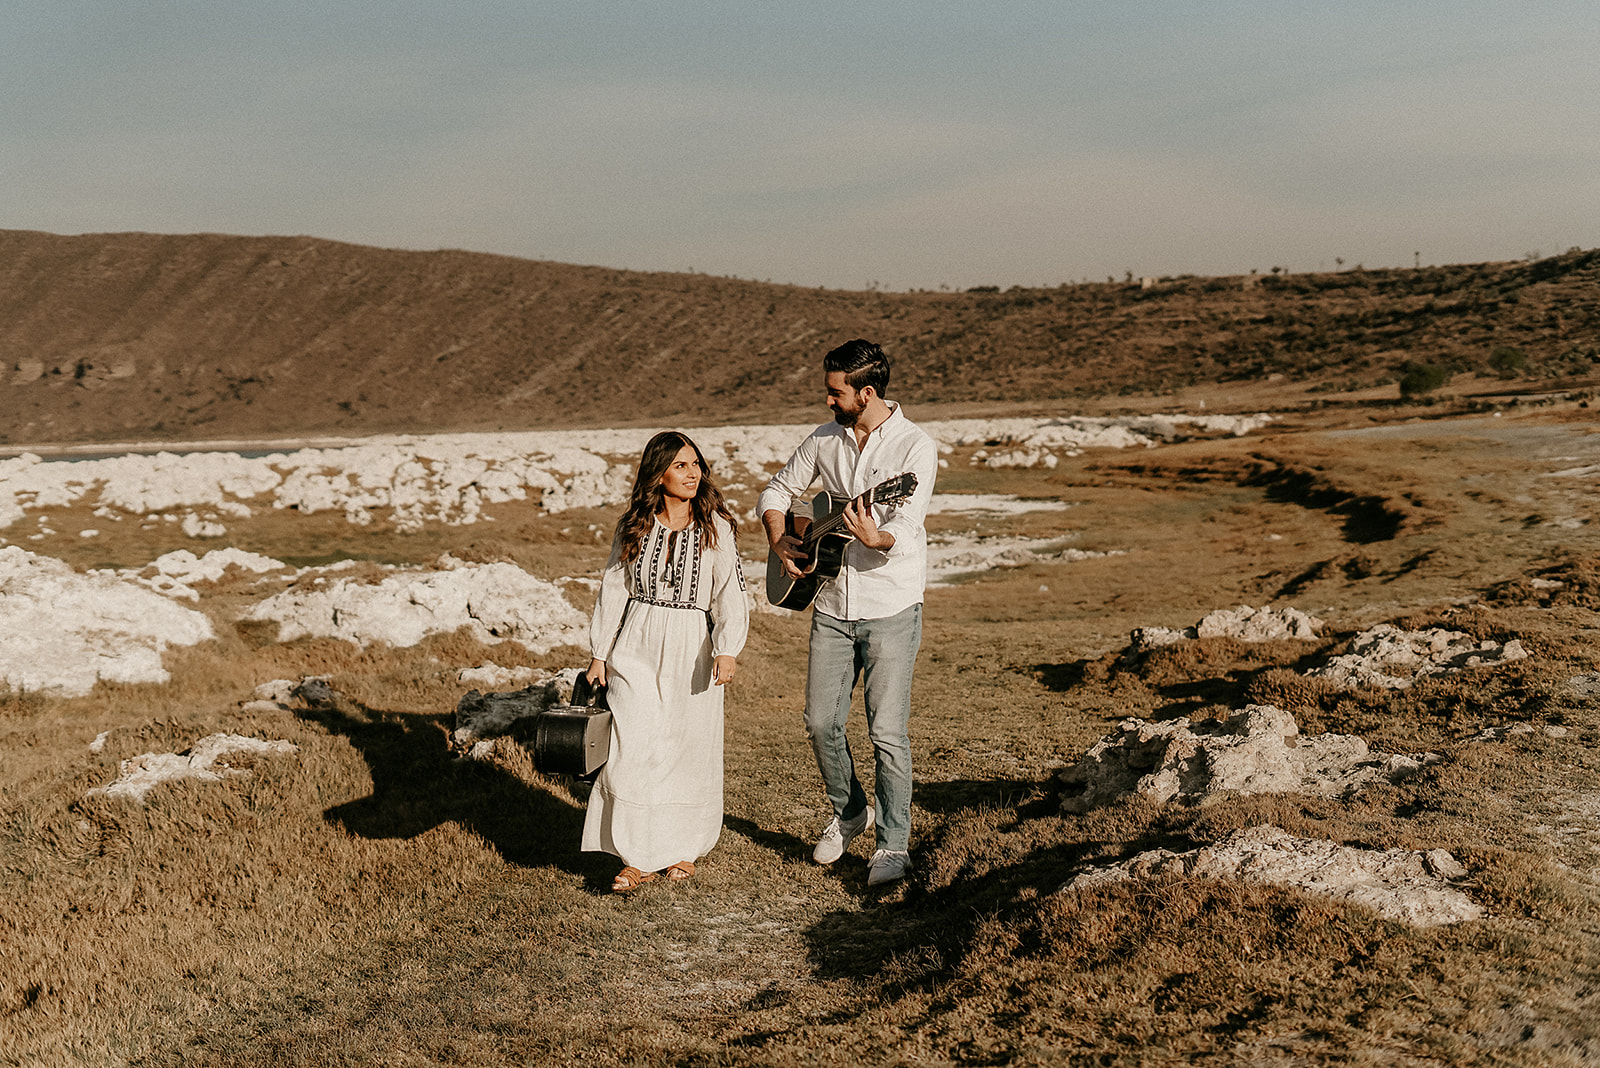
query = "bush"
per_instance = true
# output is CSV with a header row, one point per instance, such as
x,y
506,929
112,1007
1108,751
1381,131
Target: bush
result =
x,y
1507,361
1417,379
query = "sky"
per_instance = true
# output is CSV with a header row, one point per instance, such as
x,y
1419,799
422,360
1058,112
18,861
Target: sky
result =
x,y
858,145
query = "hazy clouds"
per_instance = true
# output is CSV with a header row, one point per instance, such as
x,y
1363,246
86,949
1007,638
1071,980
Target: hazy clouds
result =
x,y
907,144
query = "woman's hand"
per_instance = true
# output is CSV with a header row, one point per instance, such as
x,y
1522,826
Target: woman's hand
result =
x,y
723,669
596,673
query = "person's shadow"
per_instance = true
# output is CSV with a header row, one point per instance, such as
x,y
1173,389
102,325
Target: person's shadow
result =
x,y
418,784
782,843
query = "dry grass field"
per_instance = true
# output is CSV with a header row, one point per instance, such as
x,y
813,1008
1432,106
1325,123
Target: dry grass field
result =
x,y
372,899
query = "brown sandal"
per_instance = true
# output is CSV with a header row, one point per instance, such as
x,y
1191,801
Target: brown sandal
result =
x,y
684,869
630,879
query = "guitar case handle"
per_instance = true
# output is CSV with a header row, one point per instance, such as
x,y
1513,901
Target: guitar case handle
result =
x,y
586,694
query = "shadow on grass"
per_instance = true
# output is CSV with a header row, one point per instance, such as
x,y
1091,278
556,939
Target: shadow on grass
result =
x,y
913,936
993,844
1187,677
417,785
782,843
955,795
1060,678
1188,698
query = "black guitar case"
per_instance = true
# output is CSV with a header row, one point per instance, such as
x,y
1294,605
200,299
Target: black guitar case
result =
x,y
574,739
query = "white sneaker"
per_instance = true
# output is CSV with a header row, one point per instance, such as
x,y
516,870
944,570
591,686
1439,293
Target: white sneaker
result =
x,y
838,835
887,866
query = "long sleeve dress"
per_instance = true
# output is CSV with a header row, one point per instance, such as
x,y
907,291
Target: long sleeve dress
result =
x,y
659,622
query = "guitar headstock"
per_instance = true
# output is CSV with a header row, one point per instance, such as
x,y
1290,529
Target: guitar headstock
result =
x,y
894,489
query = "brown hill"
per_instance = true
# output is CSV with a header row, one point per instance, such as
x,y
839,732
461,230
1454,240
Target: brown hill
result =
x,y
128,336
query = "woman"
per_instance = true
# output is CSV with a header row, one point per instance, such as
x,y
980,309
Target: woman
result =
x,y
671,618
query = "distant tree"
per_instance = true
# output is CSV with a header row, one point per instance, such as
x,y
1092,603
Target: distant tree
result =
x,y
1508,361
1418,379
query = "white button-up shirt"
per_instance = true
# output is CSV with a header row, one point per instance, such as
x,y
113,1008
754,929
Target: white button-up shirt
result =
x,y
871,584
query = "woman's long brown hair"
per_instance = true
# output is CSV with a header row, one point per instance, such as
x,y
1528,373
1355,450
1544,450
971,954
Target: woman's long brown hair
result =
x,y
649,497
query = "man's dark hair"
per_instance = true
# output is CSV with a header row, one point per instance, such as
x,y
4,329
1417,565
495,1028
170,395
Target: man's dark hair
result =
x,y
863,363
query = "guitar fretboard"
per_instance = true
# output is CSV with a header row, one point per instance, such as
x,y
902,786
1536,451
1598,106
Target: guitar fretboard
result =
x,y
877,495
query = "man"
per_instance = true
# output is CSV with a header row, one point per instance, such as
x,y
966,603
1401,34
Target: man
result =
x,y
867,620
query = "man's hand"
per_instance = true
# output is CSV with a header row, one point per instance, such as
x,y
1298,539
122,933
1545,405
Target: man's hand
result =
x,y
785,546
858,521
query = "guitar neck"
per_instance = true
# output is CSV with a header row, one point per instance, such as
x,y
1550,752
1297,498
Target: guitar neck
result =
x,y
824,527
888,491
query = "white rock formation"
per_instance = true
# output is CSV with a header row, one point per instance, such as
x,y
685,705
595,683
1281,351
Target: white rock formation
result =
x,y
175,573
1514,730
1143,639
491,676
1259,749
1409,886
278,695
195,527
1394,659
1585,685
950,555
449,478
61,632
312,692
991,504
1244,623
1087,432
1022,457
1258,624
207,761
495,602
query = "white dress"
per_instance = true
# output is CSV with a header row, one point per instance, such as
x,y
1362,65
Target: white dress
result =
x,y
659,621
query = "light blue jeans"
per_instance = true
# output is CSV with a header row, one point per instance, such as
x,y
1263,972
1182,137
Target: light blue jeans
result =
x,y
882,653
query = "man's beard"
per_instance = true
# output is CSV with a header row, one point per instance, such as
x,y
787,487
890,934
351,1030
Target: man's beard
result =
x,y
846,417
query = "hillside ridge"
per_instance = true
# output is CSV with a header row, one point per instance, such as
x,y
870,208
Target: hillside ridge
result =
x,y
183,337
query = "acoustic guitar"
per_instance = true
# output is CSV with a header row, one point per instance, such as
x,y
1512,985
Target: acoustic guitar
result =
x,y
823,537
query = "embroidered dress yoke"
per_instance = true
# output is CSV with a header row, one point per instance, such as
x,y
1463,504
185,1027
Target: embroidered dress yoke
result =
x,y
659,622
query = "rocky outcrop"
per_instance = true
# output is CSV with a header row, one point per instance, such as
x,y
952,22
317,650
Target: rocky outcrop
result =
x,y
952,555
491,676
413,481
1245,623
211,759
482,717
1517,730
1409,886
1586,685
175,573
61,631
1258,749
1394,659
494,602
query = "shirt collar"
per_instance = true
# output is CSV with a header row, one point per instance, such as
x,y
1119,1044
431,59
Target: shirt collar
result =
x,y
890,424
